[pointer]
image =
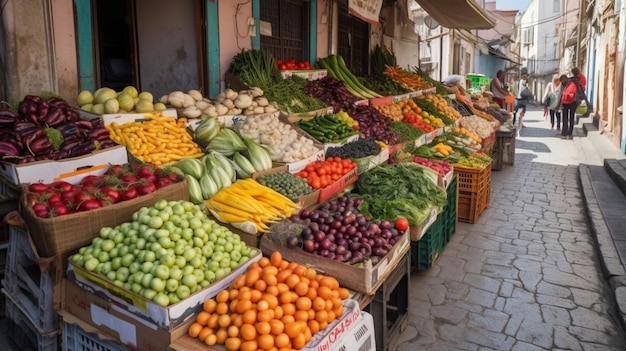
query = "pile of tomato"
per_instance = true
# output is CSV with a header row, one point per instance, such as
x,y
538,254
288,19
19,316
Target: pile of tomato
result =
x,y
320,174
417,122
118,183
293,65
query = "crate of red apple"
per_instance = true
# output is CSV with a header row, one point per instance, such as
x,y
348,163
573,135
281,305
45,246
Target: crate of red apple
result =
x,y
289,68
119,183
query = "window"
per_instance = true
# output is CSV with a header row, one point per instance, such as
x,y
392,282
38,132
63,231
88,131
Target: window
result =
x,y
528,36
353,41
290,26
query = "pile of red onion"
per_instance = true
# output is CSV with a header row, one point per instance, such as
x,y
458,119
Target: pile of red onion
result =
x,y
336,230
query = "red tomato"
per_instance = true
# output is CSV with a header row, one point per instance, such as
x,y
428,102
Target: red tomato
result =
x,y
114,169
62,186
145,188
87,205
128,178
111,193
129,193
38,187
90,180
58,210
401,223
163,181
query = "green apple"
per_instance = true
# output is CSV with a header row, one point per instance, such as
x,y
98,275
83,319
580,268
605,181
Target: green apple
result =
x,y
220,273
204,284
213,265
209,276
136,288
168,260
106,268
137,277
173,298
149,256
235,255
157,284
195,223
155,246
122,274
196,262
187,234
146,280
128,259
190,280
104,257
188,270
207,251
160,204
146,267
176,273
199,274
107,245
116,263
111,275
189,254
180,262
166,242
171,285
162,272
105,232
183,291
148,293
134,267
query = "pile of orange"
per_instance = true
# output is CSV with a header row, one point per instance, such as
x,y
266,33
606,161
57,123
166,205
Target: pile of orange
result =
x,y
276,305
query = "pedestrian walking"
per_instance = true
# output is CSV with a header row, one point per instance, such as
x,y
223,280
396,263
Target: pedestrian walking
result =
x,y
522,99
552,102
570,99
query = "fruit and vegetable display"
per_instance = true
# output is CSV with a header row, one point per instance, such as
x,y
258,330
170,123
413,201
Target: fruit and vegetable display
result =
x,y
250,206
286,183
276,304
284,141
423,109
229,102
257,68
156,138
442,105
337,230
336,68
406,131
320,174
393,111
442,167
477,160
118,183
417,122
39,128
327,128
399,190
205,175
167,252
106,101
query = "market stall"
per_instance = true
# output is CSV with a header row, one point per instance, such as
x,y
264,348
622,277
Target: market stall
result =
x,y
287,213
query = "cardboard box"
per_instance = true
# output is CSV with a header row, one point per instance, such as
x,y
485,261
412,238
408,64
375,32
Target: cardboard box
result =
x,y
429,137
168,318
418,231
70,169
63,234
338,333
312,74
110,321
367,163
365,279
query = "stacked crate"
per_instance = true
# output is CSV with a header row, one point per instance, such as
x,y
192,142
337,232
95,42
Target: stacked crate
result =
x,y
474,192
504,150
28,291
9,195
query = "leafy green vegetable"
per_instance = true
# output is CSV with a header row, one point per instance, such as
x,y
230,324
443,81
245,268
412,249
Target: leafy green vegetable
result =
x,y
399,189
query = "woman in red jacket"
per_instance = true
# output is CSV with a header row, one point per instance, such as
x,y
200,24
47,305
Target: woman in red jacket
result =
x,y
569,102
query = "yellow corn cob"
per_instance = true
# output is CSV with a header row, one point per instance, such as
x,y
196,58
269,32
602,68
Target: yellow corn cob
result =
x,y
222,207
236,201
242,196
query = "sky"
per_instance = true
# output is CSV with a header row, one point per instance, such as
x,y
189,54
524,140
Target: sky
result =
x,y
521,5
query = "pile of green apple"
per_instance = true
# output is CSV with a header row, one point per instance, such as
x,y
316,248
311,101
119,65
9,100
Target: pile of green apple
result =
x,y
166,253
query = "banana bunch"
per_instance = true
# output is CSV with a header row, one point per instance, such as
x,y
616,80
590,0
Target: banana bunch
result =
x,y
250,206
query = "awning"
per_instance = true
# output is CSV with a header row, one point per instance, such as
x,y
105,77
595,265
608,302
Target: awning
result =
x,y
458,14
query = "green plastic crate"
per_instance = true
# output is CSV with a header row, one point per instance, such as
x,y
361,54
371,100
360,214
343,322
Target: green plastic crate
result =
x,y
425,252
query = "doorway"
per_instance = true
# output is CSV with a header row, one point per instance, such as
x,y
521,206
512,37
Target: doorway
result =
x,y
115,45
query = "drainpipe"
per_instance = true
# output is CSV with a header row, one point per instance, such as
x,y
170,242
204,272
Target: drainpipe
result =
x,y
578,40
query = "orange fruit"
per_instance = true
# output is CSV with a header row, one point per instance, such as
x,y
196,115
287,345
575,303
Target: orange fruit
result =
x,y
270,279
287,319
324,292
271,270
278,312
301,288
318,304
265,316
310,273
284,264
298,342
209,305
204,333
264,262
272,289
252,276
282,287
244,294
211,339
313,325
301,315
233,331
282,340
311,293
266,341
262,305
232,344
249,317
221,308
344,293
212,322
239,282
303,303
224,321
321,316
221,335
289,309
260,285
243,306
195,329
282,275
299,270
330,282
236,319
293,329
222,296
311,313
232,306
255,295
276,258
277,327
248,332
250,345
233,293
263,328
271,300
338,312
203,317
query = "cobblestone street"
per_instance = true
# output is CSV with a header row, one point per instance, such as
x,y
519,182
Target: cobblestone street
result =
x,y
526,276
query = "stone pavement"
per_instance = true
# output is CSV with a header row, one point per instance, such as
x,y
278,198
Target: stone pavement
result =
x,y
528,275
